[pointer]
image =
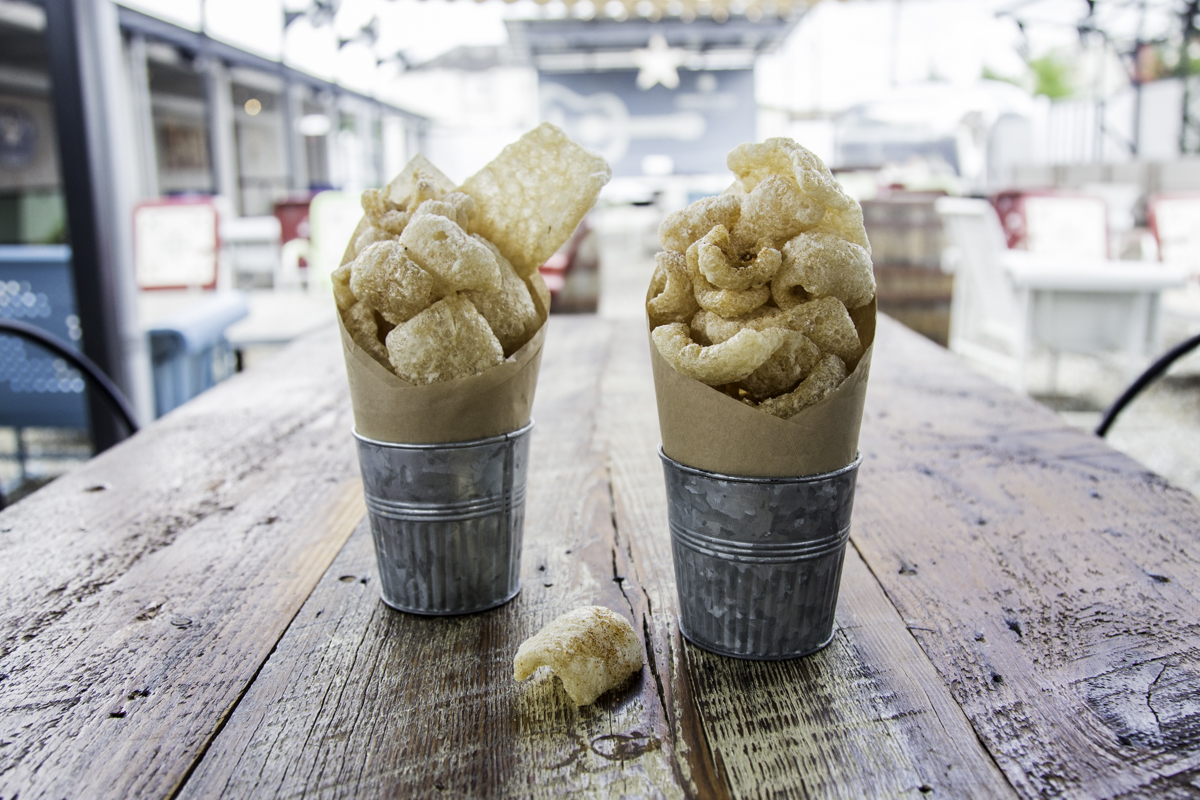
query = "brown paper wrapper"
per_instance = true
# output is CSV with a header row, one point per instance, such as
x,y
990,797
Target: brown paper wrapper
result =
x,y
709,430
388,409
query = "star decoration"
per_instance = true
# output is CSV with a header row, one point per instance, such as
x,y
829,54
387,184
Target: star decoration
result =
x,y
658,63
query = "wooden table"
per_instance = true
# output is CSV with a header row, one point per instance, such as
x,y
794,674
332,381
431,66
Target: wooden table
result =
x,y
195,612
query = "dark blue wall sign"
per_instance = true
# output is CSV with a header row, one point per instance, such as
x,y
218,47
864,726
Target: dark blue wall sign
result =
x,y
696,124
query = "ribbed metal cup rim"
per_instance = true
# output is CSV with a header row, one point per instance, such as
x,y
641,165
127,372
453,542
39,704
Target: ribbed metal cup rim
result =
x,y
820,476
444,445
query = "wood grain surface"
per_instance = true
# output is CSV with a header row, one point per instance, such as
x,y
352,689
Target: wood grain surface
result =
x,y
1052,581
866,717
360,700
1018,614
142,593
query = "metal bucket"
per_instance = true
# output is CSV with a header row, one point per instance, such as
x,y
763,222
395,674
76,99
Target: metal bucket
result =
x,y
447,521
758,561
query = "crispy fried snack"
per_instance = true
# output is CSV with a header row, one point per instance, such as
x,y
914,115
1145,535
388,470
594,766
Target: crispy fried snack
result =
x,y
509,308
718,261
471,252
713,328
828,324
455,260
455,206
680,229
363,325
384,278
591,649
367,236
753,163
781,255
726,302
774,211
448,340
532,196
417,182
671,296
727,362
343,295
794,359
823,265
827,376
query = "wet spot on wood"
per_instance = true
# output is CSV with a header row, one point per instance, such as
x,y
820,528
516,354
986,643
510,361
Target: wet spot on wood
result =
x,y
623,746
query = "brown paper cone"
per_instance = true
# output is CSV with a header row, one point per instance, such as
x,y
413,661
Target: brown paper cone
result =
x,y
706,429
493,402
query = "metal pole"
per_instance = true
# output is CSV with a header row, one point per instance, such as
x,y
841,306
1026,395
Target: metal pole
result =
x,y
99,176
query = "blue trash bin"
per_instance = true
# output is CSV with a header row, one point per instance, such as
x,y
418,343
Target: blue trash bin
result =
x,y
189,352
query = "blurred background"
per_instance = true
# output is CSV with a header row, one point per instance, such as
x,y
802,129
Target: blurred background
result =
x,y
179,177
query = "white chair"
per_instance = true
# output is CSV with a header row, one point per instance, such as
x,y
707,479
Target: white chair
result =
x,y
1007,304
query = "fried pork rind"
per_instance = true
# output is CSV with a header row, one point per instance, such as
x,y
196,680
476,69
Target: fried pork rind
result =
x,y
775,211
828,324
509,308
671,295
682,228
455,260
362,324
417,182
713,328
456,207
727,362
754,163
387,280
823,265
448,340
827,376
532,196
367,237
726,302
794,359
591,649
343,295
718,262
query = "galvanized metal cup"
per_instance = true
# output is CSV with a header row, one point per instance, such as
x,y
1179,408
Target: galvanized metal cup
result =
x,y
758,561
447,521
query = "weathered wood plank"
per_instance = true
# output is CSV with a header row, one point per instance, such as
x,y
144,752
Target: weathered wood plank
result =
x,y
143,592
866,717
1051,580
359,700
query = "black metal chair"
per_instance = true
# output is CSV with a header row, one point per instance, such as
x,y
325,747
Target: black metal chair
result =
x,y
105,388
1151,374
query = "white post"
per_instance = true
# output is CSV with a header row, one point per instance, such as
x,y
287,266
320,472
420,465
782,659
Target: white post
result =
x,y
222,143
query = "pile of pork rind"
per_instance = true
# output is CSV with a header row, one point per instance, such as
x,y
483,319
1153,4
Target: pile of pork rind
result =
x,y
442,282
761,291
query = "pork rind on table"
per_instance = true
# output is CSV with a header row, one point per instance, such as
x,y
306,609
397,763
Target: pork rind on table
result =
x,y
757,290
440,282
590,649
